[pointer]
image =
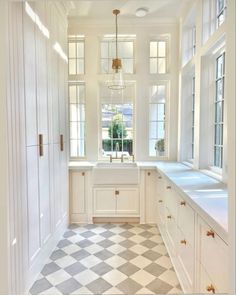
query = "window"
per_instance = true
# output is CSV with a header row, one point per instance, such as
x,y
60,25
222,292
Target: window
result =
x,y
125,53
194,40
220,11
76,55
77,119
158,57
219,111
117,117
157,120
193,114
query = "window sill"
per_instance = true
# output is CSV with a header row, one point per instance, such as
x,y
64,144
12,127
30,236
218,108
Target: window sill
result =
x,y
214,173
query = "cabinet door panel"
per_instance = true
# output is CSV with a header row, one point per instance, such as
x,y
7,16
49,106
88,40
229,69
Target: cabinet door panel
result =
x,y
127,201
64,179
77,193
104,201
56,187
44,192
171,228
33,202
30,80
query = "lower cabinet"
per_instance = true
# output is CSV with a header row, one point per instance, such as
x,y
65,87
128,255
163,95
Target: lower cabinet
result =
x,y
116,201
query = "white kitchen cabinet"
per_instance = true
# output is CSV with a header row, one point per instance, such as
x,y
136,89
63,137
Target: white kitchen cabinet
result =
x,y
161,214
119,201
150,196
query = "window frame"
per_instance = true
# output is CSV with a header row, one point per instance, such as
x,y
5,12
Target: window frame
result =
x,y
193,104
76,40
165,39
220,13
100,156
167,123
85,121
111,39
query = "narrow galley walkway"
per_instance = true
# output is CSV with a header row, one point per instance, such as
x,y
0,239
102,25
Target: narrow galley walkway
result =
x,y
108,259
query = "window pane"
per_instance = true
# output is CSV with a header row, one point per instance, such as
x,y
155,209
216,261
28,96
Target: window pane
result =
x,y
153,130
73,130
72,66
161,49
219,134
152,150
81,112
153,66
72,93
128,146
112,50
104,50
220,66
80,66
80,50
218,157
161,65
127,65
153,112
81,93
161,112
73,148
81,148
220,5
153,49
104,66
81,130
125,49
161,130
72,50
73,112
219,112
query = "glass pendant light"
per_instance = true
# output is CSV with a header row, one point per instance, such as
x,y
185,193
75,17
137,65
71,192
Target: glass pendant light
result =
x,y
117,82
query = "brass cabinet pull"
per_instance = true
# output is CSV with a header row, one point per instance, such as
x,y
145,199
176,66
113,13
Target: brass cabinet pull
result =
x,y
211,289
169,217
183,203
117,193
160,201
183,242
159,177
61,143
210,233
149,173
83,173
40,145
168,187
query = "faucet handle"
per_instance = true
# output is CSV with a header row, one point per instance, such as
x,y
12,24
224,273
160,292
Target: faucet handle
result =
x,y
133,158
110,158
122,158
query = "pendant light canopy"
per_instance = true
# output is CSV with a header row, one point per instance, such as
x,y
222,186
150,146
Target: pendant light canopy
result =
x,y
117,82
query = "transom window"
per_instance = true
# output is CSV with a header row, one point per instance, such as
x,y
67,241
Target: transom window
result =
x,y
219,111
125,53
157,120
158,57
77,119
117,117
76,55
220,11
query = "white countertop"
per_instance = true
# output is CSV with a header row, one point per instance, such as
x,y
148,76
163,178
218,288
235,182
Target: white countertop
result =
x,y
208,196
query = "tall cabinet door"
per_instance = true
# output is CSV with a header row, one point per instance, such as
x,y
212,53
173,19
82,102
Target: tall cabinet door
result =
x,y
30,79
33,203
44,193
127,201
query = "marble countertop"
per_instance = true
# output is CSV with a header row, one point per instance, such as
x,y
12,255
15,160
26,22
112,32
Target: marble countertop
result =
x,y
208,196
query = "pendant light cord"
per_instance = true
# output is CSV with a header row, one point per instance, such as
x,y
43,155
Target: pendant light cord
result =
x,y
116,38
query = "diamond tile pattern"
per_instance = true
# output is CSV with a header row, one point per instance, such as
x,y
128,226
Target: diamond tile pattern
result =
x,y
108,259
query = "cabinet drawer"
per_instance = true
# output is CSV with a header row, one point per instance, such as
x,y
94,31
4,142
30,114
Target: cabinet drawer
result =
x,y
206,285
186,257
171,200
214,256
186,219
161,211
171,228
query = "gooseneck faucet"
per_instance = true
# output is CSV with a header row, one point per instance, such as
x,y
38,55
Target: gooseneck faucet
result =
x,y
117,149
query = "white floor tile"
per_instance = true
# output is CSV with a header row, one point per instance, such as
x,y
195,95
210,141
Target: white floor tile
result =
x,y
86,277
114,277
143,277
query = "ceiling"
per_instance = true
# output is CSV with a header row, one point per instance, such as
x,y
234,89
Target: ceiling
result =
x,y
102,9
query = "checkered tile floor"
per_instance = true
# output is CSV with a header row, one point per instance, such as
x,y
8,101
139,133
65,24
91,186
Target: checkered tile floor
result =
x,y
108,259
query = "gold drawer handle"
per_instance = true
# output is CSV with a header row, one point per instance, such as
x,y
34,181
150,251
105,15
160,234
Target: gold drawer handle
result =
x,y
183,203
211,289
183,242
159,177
40,145
168,187
61,142
169,217
83,173
117,193
160,201
149,173
210,233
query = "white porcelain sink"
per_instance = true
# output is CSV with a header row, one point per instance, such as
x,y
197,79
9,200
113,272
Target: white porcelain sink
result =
x,y
116,173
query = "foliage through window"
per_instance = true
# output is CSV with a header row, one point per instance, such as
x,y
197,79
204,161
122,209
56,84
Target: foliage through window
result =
x,y
219,111
125,53
76,56
77,119
157,120
158,57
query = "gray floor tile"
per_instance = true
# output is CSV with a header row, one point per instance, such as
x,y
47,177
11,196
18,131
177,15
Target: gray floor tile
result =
x,y
127,226
155,269
63,243
104,254
40,286
84,243
149,244
151,255
87,234
75,268
101,268
127,244
99,286
69,286
127,234
80,254
128,268
107,234
147,234
129,286
57,254
109,226
128,255
106,243
158,286
69,234
49,268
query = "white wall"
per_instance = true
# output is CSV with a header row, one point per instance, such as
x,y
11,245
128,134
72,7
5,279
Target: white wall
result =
x,y
144,32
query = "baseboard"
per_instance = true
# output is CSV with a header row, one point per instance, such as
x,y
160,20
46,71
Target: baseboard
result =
x,y
116,220
44,254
